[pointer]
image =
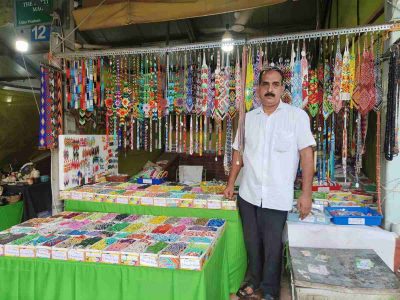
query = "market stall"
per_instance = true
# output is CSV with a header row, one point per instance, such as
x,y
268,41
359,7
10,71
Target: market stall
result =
x,y
134,252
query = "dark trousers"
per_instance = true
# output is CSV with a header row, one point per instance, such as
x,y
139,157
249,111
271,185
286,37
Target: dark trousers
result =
x,y
262,230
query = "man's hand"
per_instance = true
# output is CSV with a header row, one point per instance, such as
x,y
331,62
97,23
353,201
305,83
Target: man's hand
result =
x,y
228,192
304,204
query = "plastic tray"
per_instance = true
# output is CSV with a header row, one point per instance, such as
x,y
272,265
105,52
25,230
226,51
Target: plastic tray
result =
x,y
150,181
374,220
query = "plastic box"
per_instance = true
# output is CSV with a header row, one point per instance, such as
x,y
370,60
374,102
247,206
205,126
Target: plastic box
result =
x,y
374,219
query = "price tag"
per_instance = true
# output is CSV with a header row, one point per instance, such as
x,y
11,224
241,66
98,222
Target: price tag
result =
x,y
323,189
214,204
147,181
356,221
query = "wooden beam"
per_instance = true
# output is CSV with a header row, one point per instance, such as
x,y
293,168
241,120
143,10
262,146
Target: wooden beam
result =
x,y
128,12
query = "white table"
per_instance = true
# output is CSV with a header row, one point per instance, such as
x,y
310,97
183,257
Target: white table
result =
x,y
342,237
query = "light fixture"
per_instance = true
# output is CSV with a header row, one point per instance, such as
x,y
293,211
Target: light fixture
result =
x,y
21,45
227,41
9,99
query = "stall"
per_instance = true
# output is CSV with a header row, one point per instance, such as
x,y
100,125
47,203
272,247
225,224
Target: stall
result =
x,y
191,100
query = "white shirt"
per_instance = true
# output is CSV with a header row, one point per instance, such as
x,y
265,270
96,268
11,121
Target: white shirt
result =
x,y
271,155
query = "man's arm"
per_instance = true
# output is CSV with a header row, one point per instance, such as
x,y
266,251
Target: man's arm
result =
x,y
304,203
237,164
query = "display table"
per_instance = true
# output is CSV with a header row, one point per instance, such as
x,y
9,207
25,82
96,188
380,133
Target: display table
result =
x,y
236,252
45,279
11,214
343,237
37,197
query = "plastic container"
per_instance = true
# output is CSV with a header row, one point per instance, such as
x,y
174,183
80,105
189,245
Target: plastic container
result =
x,y
150,181
375,219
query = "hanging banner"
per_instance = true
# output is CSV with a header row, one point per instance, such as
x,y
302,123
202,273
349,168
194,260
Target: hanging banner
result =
x,y
33,12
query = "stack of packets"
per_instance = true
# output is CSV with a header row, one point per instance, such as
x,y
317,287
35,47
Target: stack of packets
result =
x,y
134,240
204,196
351,197
318,215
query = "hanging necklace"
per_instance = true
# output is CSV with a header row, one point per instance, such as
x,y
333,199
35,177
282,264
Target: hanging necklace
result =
x,y
304,76
327,107
337,103
249,83
297,98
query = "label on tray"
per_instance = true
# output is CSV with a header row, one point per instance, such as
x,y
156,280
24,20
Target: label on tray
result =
x,y
323,189
147,181
11,250
356,221
111,258
147,201
160,201
76,196
122,200
148,260
191,263
59,254
214,204
27,252
43,253
76,255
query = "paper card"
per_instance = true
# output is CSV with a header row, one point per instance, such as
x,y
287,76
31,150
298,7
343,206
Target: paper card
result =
x,y
356,221
147,201
323,189
110,258
122,200
77,255
135,200
168,261
11,250
214,204
76,196
318,269
43,252
130,259
27,251
200,203
191,263
159,201
364,264
61,254
172,202
147,181
229,205
148,259
93,256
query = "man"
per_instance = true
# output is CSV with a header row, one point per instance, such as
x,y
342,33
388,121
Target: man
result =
x,y
276,136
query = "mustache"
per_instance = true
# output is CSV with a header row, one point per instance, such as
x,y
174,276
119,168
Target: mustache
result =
x,y
269,94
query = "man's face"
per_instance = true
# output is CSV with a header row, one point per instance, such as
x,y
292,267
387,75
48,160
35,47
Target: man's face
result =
x,y
270,88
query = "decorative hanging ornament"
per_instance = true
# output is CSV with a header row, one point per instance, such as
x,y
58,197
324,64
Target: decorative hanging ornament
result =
x,y
248,94
336,101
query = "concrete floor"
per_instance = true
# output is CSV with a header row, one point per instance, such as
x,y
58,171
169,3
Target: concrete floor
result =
x,y
285,291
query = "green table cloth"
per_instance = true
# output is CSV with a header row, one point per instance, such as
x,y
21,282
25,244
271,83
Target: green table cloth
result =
x,y
47,279
236,252
11,214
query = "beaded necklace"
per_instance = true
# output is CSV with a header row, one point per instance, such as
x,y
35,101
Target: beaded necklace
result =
x,y
304,76
248,96
297,98
336,101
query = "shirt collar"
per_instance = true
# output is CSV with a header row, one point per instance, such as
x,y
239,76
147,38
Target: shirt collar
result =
x,y
280,106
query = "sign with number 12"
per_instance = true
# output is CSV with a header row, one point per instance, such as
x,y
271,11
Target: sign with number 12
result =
x,y
40,33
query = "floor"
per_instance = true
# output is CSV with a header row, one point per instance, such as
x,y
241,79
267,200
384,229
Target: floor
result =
x,y
285,292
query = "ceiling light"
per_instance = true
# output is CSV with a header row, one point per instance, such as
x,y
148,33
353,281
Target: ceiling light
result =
x,y
227,41
21,45
9,99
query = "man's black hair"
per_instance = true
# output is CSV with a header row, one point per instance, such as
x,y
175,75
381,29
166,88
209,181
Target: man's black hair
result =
x,y
267,69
